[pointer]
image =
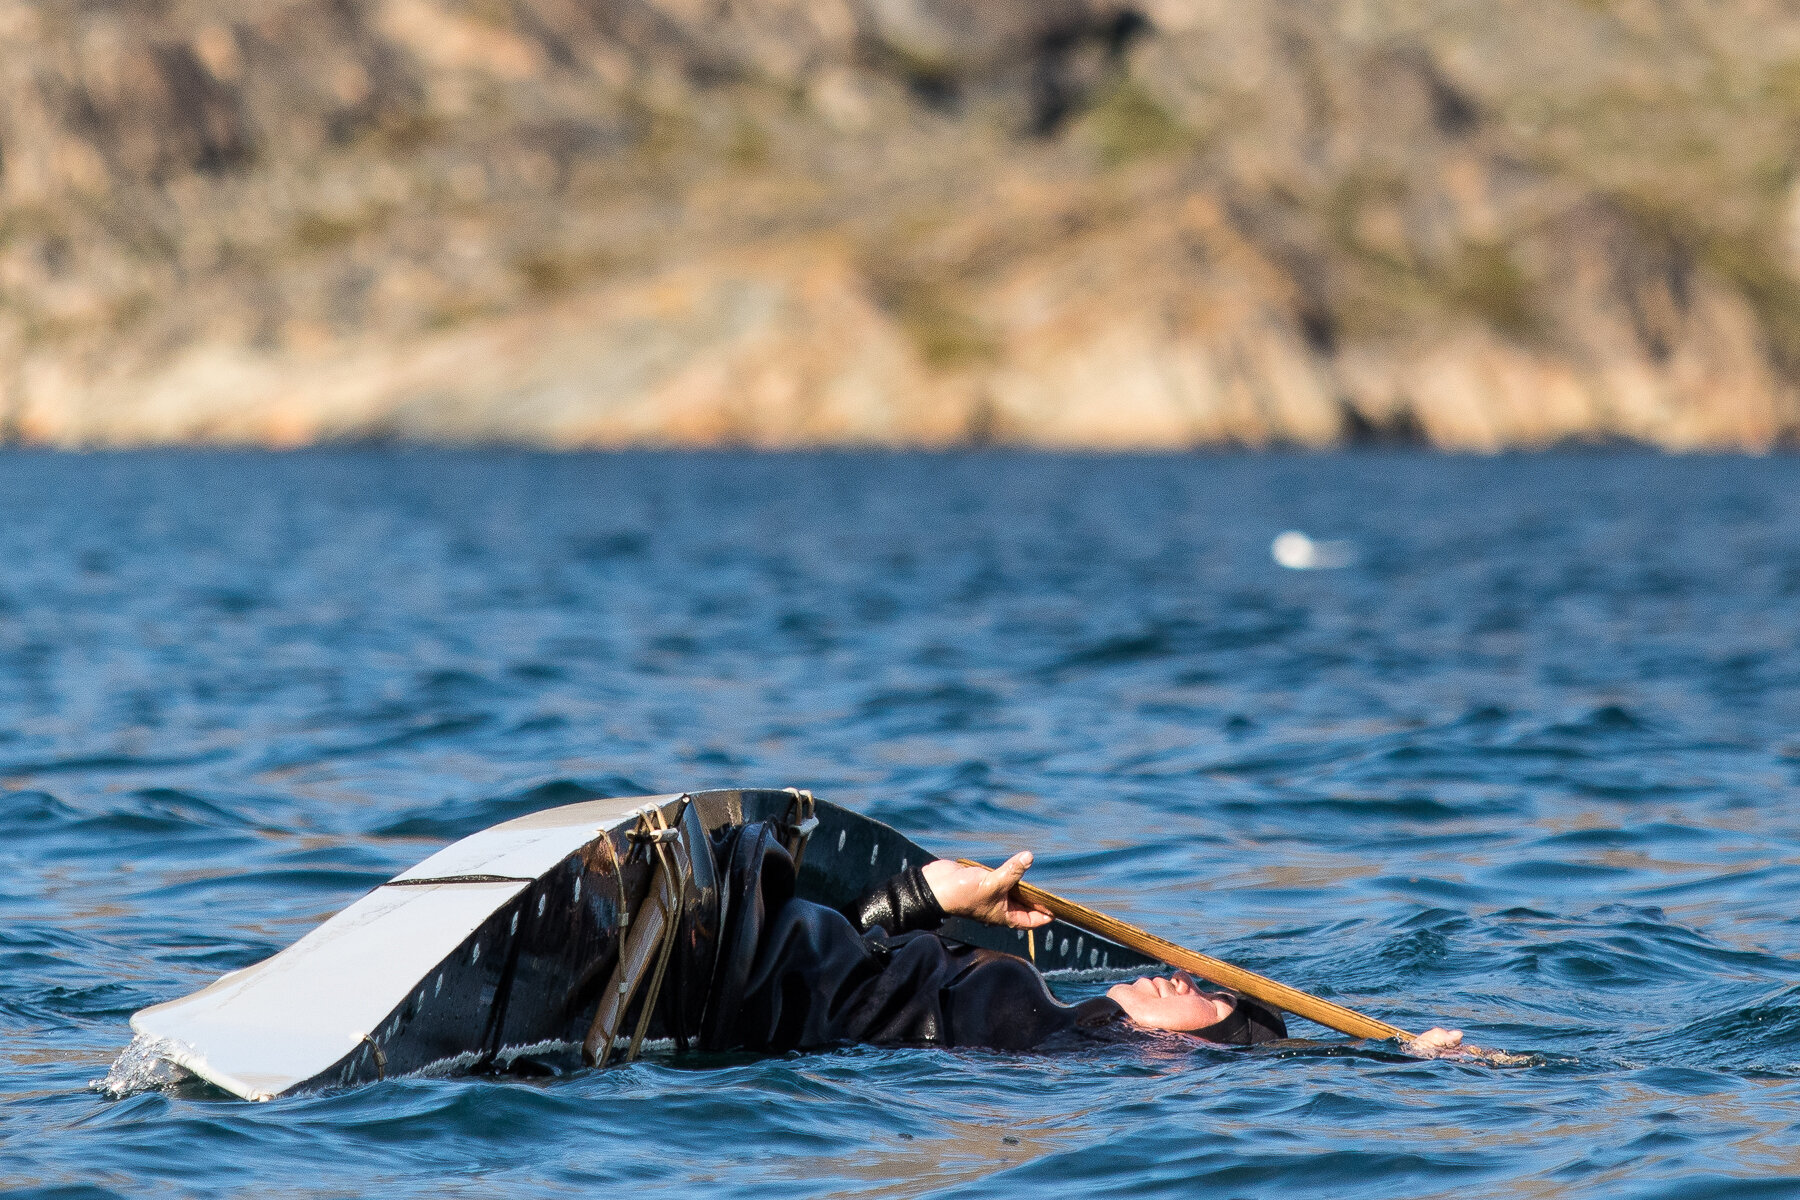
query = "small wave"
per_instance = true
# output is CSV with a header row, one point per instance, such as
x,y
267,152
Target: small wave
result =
x,y
1605,721
946,708
447,727
458,818
1151,642
544,723
453,685
928,812
1637,946
72,1007
169,811
162,820
110,762
1612,838
978,795
1556,871
1477,763
1412,806
1438,920
1172,637
1589,964
1762,1034
1413,954
607,547
22,813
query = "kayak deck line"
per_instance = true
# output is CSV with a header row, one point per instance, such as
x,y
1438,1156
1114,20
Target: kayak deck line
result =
x,y
457,879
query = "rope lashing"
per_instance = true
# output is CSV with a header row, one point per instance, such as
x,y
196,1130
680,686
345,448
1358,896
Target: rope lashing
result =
x,y
618,868
380,1058
802,819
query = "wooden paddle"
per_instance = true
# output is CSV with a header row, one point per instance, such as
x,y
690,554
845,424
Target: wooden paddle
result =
x,y
1257,987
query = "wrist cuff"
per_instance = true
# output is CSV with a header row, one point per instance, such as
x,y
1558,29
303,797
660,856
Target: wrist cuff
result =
x,y
899,905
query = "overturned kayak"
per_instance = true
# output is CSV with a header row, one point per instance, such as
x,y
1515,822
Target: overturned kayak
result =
x,y
583,925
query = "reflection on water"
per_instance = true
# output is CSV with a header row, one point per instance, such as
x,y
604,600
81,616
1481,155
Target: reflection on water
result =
x,y
1526,765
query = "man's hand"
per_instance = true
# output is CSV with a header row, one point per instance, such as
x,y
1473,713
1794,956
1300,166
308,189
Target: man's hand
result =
x,y
1437,1043
985,895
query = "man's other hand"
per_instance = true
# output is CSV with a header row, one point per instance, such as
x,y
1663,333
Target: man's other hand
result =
x,y
1437,1043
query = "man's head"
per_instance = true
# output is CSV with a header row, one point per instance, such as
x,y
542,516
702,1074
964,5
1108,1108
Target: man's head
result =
x,y
1174,1002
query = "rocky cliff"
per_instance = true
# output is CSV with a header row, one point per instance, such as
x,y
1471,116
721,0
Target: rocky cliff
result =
x,y
1056,222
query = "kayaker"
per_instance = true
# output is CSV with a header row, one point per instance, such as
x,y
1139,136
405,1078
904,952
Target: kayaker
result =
x,y
1176,1003
795,975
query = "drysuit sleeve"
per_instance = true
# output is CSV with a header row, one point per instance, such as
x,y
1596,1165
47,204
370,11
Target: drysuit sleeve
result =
x,y
902,904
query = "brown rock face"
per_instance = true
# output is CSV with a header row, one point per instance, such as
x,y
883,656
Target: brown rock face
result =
x,y
1096,223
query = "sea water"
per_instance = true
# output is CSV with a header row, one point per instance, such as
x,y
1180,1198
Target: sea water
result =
x,y
1523,758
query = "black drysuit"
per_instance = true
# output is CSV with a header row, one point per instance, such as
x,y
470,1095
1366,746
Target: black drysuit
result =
x,y
794,975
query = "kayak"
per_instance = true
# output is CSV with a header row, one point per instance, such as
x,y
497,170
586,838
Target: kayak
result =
x,y
549,932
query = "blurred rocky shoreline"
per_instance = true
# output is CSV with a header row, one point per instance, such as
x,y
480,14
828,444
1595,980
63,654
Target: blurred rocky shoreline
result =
x,y
900,222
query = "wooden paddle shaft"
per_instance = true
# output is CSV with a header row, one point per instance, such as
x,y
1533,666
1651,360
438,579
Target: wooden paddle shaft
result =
x,y
1257,987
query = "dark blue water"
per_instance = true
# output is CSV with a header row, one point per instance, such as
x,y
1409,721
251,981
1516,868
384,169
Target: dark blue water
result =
x,y
1529,766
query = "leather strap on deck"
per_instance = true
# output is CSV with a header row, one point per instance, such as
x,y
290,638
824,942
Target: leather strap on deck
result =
x,y
648,942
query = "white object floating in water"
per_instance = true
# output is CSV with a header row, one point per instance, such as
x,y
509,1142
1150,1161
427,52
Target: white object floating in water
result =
x,y
1297,552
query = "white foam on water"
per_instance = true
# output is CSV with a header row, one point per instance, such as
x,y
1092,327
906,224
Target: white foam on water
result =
x,y
144,1065
510,1054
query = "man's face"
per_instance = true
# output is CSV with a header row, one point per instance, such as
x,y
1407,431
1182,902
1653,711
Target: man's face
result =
x,y
1171,1002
